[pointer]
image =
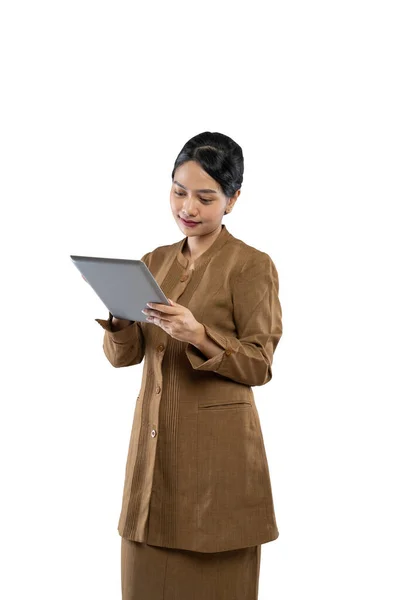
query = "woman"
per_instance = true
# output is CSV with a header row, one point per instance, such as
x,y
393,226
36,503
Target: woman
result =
x,y
197,501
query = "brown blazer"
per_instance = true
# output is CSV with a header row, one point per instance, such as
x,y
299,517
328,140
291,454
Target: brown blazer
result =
x,y
196,474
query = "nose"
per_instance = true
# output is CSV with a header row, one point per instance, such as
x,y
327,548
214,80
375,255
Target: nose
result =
x,y
189,205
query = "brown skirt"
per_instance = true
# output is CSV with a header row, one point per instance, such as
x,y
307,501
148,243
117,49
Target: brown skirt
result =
x,y
158,573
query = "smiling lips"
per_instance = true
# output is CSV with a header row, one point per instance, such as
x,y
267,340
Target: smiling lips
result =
x,y
185,221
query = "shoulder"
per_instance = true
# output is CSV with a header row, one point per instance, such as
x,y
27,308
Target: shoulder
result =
x,y
160,254
248,259
243,258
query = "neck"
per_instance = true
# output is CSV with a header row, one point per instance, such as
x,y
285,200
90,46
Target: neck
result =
x,y
197,244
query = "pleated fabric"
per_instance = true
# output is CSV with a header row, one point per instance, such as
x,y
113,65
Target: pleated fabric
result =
x,y
159,573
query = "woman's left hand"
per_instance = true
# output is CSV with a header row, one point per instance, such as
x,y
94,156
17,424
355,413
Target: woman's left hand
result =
x,y
177,320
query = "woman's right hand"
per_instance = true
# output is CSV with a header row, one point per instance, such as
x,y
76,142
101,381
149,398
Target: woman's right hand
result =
x,y
118,324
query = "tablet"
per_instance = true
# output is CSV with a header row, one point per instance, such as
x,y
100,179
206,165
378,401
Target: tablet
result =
x,y
124,286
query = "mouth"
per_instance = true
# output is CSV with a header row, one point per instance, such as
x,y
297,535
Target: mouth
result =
x,y
189,222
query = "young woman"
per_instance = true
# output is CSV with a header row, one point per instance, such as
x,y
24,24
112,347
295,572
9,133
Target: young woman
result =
x,y
197,501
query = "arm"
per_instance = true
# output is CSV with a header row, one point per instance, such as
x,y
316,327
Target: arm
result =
x,y
205,344
123,347
246,358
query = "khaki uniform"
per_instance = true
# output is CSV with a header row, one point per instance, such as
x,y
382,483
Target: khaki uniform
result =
x,y
197,476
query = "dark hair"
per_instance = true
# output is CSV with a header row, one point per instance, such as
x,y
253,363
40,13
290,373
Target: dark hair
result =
x,y
219,156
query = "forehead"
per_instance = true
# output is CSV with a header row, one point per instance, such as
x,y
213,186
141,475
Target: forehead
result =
x,y
193,177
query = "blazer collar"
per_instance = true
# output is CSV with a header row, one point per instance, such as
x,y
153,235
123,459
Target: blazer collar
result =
x,y
220,241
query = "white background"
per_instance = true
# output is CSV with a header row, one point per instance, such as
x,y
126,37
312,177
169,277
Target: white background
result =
x,y
97,99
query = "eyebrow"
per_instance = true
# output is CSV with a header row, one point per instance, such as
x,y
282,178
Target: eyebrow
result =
x,y
204,190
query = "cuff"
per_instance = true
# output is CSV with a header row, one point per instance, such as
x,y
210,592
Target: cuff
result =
x,y
197,359
121,336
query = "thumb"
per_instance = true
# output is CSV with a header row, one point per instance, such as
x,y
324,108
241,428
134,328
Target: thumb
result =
x,y
171,301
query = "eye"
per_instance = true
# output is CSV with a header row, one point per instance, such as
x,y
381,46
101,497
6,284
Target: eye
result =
x,y
202,199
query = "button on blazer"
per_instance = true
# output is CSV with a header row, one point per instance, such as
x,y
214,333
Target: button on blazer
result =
x,y
196,474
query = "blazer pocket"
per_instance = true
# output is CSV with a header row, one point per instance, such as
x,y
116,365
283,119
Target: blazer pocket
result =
x,y
232,480
224,406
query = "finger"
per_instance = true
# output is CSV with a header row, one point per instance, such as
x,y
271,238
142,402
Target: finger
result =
x,y
161,307
157,319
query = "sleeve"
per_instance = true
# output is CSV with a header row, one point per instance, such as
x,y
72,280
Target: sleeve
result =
x,y
257,313
125,347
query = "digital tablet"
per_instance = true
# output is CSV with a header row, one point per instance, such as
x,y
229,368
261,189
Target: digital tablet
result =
x,y
124,286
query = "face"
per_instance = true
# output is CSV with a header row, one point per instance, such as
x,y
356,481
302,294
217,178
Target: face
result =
x,y
196,196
